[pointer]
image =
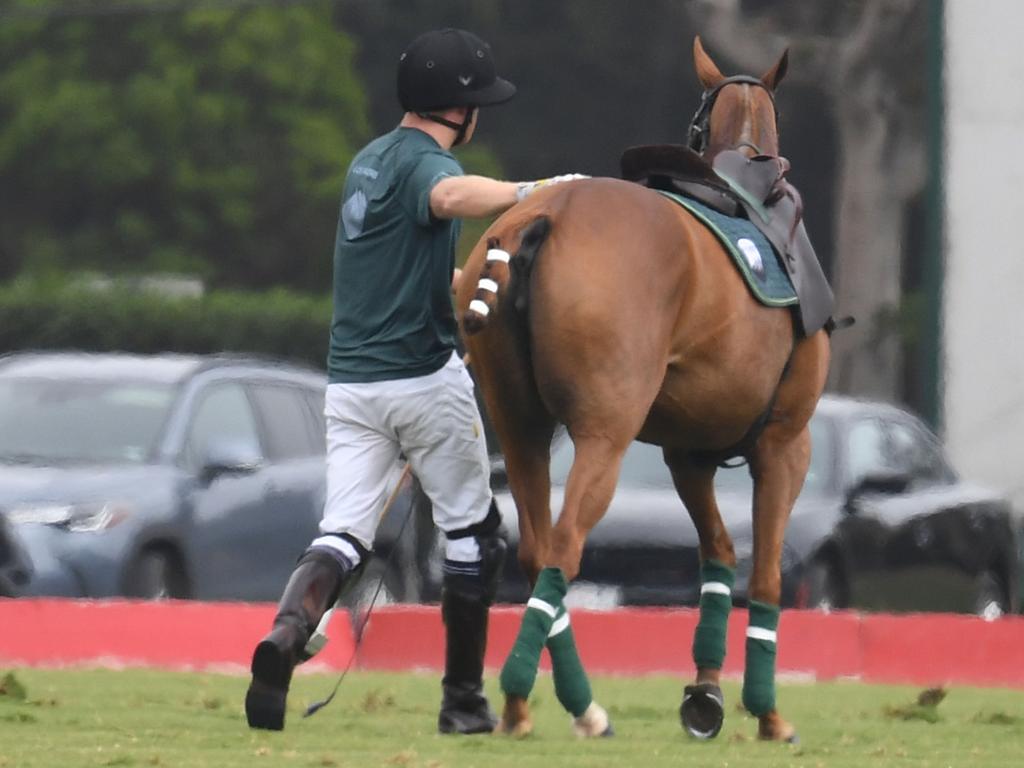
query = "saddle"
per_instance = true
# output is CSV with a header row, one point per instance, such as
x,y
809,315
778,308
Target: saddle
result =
x,y
755,188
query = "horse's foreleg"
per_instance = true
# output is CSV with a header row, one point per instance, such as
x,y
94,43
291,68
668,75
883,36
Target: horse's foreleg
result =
x,y
703,711
779,468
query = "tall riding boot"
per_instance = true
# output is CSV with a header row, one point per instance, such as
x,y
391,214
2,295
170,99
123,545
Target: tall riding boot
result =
x,y
464,708
312,589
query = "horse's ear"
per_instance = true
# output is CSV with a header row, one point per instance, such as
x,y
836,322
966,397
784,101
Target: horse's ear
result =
x,y
709,74
774,76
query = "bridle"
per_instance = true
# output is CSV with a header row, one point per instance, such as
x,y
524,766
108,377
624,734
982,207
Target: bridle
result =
x,y
700,126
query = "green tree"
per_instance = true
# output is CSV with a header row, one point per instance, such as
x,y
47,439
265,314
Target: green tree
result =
x,y
212,141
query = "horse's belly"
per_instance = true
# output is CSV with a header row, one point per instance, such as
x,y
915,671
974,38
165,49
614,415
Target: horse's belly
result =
x,y
703,408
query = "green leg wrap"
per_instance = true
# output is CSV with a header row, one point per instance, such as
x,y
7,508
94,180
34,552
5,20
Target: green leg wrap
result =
x,y
716,580
520,670
571,684
759,673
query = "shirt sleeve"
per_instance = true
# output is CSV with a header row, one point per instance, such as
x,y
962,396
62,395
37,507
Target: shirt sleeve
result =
x,y
429,170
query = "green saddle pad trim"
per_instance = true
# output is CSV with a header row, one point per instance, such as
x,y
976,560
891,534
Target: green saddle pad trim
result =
x,y
771,286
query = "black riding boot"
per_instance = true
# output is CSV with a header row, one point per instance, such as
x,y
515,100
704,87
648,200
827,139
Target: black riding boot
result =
x,y
464,708
312,589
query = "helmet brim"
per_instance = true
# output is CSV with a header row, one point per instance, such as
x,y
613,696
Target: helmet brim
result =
x,y
497,92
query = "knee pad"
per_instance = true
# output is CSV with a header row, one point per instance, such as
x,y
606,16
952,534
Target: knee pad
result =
x,y
347,568
479,580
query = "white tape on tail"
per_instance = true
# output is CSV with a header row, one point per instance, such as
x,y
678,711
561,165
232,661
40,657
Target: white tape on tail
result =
x,y
487,284
480,307
496,254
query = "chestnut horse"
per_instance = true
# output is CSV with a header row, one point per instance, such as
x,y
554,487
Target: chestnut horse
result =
x,y
610,309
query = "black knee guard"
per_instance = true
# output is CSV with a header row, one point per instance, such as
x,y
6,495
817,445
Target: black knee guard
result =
x,y
479,581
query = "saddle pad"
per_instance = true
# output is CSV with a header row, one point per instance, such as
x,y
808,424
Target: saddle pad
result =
x,y
751,252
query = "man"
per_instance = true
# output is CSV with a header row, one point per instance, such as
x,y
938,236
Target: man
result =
x,y
396,384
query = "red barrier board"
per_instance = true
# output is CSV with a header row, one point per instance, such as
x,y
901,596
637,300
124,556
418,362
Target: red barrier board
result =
x,y
172,634
922,649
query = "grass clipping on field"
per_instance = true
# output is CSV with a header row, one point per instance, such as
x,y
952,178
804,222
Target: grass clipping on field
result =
x,y
11,689
926,707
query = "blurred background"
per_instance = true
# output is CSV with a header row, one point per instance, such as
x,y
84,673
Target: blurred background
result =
x,y
170,170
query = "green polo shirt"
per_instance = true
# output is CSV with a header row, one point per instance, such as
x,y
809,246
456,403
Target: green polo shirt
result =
x,y
393,262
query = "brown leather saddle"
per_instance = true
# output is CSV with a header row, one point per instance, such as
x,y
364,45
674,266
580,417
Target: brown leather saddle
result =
x,y
755,188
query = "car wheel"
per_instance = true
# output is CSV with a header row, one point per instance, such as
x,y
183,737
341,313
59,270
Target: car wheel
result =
x,y
824,586
989,597
154,576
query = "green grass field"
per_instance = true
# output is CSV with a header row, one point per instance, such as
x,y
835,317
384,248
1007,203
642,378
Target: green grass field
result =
x,y
72,718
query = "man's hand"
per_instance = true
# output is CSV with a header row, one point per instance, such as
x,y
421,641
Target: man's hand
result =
x,y
526,188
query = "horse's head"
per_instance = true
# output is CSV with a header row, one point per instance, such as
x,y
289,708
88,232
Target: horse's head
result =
x,y
735,112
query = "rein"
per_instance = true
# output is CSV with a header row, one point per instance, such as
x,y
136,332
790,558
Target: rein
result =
x,y
700,125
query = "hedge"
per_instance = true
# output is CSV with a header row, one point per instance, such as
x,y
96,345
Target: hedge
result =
x,y
278,323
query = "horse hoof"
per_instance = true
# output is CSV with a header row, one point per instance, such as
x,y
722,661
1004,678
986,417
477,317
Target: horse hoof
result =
x,y
517,731
515,719
703,710
593,722
777,729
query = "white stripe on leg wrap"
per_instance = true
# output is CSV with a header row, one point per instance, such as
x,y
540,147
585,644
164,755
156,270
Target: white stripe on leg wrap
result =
x,y
540,605
560,625
715,588
758,633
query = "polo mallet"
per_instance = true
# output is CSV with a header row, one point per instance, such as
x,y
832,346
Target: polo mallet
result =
x,y
319,638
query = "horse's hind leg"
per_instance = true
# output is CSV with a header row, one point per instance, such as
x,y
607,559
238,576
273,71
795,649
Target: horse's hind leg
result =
x,y
779,465
524,430
702,711
589,490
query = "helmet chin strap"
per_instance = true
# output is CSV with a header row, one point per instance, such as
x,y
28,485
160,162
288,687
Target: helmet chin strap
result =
x,y
459,128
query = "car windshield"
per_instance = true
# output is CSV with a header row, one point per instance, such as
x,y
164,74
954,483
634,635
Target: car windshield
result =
x,y
643,466
52,421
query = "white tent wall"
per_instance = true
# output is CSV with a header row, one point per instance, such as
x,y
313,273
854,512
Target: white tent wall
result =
x,y
983,287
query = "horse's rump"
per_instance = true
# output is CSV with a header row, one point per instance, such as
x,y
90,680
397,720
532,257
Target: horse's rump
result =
x,y
615,291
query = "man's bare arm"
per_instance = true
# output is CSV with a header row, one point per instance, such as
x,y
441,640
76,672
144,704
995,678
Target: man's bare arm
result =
x,y
471,197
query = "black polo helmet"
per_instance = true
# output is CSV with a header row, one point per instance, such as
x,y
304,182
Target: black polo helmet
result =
x,y
449,68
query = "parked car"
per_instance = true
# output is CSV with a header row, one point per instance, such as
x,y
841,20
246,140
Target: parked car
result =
x,y
166,476
883,522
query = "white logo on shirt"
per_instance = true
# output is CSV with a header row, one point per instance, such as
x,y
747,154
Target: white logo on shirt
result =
x,y
352,214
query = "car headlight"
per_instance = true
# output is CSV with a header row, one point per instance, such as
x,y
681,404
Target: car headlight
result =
x,y
79,518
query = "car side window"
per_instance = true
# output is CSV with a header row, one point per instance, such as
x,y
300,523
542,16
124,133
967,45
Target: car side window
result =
x,y
913,451
865,446
223,417
284,413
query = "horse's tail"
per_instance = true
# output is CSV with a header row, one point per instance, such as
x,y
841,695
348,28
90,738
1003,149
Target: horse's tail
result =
x,y
505,277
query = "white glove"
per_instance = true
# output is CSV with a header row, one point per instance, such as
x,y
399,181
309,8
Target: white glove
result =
x,y
526,187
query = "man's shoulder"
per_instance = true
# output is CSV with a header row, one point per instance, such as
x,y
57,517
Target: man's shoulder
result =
x,y
399,152
417,147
